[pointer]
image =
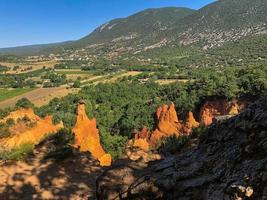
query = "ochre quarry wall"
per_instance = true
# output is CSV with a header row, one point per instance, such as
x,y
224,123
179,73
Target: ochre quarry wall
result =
x,y
167,124
87,136
21,134
212,109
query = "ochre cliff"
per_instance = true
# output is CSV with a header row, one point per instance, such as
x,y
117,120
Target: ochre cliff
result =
x,y
87,136
167,124
190,124
141,139
22,133
212,109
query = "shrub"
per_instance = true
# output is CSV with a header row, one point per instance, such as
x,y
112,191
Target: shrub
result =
x,y
10,122
172,144
4,131
114,144
24,103
18,153
197,132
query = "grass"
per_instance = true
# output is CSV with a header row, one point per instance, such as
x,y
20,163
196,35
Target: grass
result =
x,y
9,93
17,153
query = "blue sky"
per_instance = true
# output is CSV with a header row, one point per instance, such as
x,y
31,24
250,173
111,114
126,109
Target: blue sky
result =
x,y
24,22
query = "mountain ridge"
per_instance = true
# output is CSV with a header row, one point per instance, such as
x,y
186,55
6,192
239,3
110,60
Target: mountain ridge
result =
x,y
180,30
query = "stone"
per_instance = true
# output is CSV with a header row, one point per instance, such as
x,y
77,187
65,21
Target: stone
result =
x,y
190,124
87,136
167,124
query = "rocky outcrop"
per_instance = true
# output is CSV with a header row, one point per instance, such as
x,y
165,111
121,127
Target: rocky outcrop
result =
x,y
21,134
87,137
141,139
190,124
230,162
167,123
212,109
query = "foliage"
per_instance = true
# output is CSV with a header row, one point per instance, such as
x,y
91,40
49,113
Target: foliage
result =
x,y
172,144
76,84
114,144
10,122
55,79
197,132
18,153
4,130
24,103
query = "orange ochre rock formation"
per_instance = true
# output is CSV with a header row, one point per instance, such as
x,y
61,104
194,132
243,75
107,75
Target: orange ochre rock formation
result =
x,y
212,109
190,123
87,137
33,134
167,124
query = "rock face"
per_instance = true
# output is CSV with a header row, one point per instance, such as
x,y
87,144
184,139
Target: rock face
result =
x,y
212,109
20,134
190,123
167,123
230,162
87,136
141,139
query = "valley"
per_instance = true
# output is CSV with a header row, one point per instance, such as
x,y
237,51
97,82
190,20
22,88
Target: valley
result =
x,y
167,103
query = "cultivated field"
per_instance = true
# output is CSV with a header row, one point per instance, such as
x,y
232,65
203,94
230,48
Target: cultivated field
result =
x,y
38,97
114,77
9,93
26,64
169,81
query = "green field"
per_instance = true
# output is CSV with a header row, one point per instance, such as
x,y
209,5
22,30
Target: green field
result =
x,y
9,93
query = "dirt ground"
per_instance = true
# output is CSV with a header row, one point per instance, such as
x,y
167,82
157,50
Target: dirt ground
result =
x,y
71,179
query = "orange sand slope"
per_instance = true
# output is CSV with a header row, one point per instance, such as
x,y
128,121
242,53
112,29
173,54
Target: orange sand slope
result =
x,y
34,134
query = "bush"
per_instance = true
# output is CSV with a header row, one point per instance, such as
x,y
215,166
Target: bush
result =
x,y
172,144
10,122
18,153
24,103
4,131
114,144
197,132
